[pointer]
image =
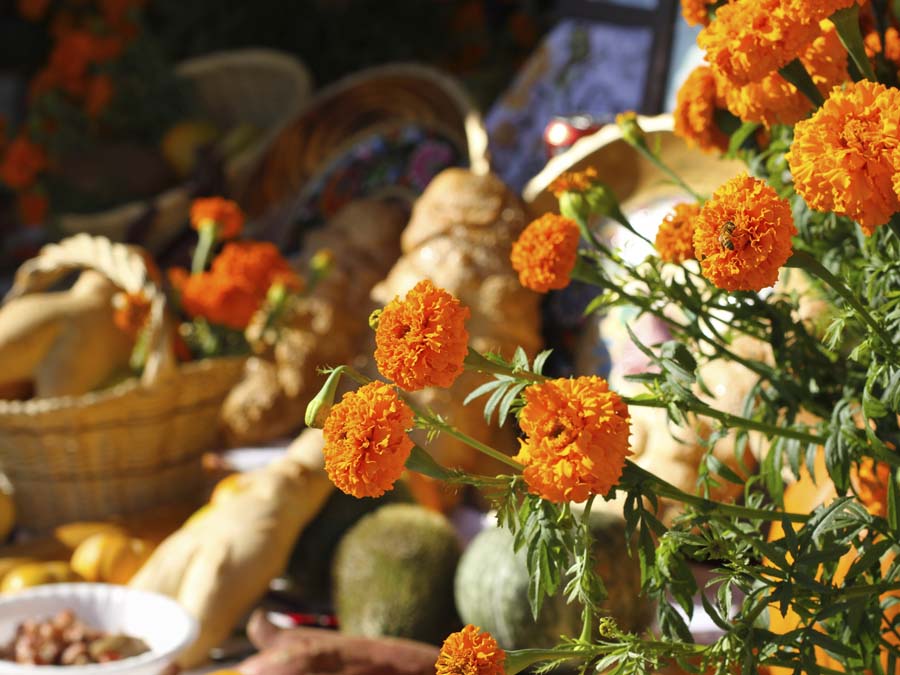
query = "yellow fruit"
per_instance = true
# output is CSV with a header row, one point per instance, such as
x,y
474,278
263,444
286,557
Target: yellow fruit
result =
x,y
228,487
7,516
37,574
110,557
72,534
183,141
7,565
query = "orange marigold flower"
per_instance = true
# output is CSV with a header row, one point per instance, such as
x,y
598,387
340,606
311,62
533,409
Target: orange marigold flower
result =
x,y
366,444
891,39
870,481
32,206
236,285
545,253
98,95
576,438
421,341
752,38
33,10
696,12
574,181
742,235
842,157
773,100
22,163
675,238
255,264
219,300
131,312
69,61
470,651
226,214
695,112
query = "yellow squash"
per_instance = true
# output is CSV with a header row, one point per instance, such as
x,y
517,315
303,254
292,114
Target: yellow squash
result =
x,y
37,574
110,557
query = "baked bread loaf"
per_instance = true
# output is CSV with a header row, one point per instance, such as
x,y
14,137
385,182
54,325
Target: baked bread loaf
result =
x,y
220,563
460,235
62,343
324,328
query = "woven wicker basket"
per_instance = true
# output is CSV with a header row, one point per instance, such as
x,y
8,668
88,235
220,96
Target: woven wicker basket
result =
x,y
346,113
131,447
262,87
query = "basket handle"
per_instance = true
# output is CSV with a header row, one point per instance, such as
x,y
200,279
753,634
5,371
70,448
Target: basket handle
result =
x,y
125,266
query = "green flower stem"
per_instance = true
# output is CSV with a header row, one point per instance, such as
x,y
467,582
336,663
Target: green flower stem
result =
x,y
662,166
588,274
804,261
730,420
587,615
520,659
587,233
432,422
207,235
478,363
663,488
847,23
795,73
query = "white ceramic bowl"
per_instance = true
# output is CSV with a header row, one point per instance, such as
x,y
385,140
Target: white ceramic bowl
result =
x,y
162,623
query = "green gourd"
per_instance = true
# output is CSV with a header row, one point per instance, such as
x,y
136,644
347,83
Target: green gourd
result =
x,y
393,575
491,589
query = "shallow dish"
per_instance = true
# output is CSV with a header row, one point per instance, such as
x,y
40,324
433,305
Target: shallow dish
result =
x,y
162,623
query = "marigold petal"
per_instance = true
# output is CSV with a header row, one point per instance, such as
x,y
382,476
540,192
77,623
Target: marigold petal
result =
x,y
366,440
470,651
751,39
421,341
742,235
843,157
226,214
675,237
695,112
577,438
546,252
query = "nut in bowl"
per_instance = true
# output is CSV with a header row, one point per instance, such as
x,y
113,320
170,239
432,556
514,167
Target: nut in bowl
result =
x,y
159,622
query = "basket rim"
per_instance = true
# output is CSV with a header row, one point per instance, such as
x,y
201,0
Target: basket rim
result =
x,y
476,139
585,147
41,406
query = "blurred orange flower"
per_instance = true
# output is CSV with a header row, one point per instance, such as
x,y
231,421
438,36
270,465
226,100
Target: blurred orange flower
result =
x,y
891,39
843,157
366,444
742,235
695,111
675,238
32,206
870,480
22,163
235,287
33,10
470,651
546,252
99,94
131,312
574,181
226,214
421,341
576,438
